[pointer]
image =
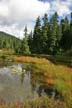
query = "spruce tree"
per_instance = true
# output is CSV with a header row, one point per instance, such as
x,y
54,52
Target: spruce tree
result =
x,y
58,38
30,40
53,33
37,37
24,45
70,37
44,38
66,33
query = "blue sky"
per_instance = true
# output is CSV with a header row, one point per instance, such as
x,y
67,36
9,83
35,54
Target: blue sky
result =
x,y
15,14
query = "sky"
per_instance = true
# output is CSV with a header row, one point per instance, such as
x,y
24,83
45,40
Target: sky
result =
x,y
16,14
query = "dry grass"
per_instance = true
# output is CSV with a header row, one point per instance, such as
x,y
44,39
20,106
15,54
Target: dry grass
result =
x,y
41,102
6,52
28,59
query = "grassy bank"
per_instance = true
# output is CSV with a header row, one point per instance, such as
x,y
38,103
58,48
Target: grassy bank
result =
x,y
41,102
59,58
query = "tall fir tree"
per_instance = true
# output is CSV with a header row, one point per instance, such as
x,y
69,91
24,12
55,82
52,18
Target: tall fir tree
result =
x,y
37,37
53,33
71,21
44,38
66,32
70,35
71,29
58,38
30,40
24,45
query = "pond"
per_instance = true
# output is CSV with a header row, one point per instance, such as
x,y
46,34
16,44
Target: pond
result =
x,y
18,83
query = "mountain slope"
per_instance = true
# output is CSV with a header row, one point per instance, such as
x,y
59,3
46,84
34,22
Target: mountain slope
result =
x,y
8,41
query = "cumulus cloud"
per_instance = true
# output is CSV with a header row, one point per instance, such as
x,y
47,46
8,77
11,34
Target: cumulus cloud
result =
x,y
15,14
19,13
18,10
27,9
3,10
61,6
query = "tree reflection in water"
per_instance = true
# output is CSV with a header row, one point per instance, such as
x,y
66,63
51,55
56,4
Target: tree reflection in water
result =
x,y
25,75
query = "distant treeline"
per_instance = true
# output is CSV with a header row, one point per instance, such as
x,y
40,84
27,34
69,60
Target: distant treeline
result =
x,y
9,42
50,36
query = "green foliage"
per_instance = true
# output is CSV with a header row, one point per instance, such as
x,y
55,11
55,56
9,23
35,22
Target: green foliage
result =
x,y
30,40
24,45
66,38
37,37
59,36
52,36
44,37
53,32
9,42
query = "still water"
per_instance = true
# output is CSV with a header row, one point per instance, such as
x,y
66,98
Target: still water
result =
x,y
17,84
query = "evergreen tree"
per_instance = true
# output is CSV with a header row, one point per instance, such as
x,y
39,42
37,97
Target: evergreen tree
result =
x,y
24,45
66,24
25,31
71,21
53,33
44,38
66,33
58,38
30,39
62,24
71,30
70,37
37,37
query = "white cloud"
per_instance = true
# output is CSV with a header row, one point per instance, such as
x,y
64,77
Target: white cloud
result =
x,y
21,12
27,9
15,14
3,10
61,7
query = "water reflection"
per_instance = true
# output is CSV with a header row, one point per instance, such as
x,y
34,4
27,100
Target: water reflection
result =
x,y
15,83
23,75
18,84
